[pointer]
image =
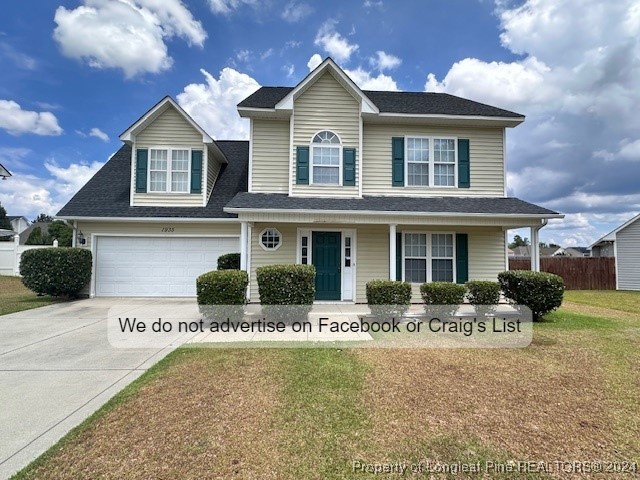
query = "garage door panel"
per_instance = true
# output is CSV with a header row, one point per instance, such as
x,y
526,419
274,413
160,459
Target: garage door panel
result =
x,y
149,266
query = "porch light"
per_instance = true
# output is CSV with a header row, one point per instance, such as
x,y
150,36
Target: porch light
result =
x,y
80,238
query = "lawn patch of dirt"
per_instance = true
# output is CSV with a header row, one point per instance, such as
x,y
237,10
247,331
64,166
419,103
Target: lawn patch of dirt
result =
x,y
540,403
209,415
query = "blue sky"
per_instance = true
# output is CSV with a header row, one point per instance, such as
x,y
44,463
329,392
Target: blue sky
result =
x,y
75,74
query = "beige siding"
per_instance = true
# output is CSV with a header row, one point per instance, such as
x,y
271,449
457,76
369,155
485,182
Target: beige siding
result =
x,y
170,129
486,159
270,162
326,105
155,229
213,169
628,251
486,252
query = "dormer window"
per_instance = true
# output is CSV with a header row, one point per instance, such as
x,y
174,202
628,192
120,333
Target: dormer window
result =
x,y
169,170
326,155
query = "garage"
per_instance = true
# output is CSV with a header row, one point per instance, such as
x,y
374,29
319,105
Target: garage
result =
x,y
156,266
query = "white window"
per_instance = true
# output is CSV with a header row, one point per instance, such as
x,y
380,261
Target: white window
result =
x,y
326,154
418,161
423,264
169,170
270,239
430,162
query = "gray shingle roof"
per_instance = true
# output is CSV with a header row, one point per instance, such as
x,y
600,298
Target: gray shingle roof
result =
x,y
395,102
107,193
445,205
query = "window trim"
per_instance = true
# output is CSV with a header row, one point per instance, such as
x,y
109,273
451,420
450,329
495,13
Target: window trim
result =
x,y
265,248
431,162
168,171
340,159
429,257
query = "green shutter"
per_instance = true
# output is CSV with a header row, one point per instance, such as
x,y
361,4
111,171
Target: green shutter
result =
x,y
349,167
302,165
464,169
141,170
397,161
462,257
196,171
398,256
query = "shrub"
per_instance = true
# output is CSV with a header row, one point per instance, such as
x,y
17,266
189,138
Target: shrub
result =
x,y
483,295
388,299
56,271
540,291
291,285
230,261
222,293
442,298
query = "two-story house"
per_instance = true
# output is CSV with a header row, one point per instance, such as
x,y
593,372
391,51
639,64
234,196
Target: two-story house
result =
x,y
362,184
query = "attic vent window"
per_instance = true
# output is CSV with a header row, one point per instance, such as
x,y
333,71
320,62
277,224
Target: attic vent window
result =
x,y
270,239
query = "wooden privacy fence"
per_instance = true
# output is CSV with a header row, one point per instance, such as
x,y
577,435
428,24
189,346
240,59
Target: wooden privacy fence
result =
x,y
579,273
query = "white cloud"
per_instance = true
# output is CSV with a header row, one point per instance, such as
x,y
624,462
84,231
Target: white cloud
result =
x,y
266,54
30,195
384,61
227,6
333,43
366,81
373,3
578,151
17,121
213,105
14,158
296,11
243,55
126,34
96,132
289,70
21,60
314,61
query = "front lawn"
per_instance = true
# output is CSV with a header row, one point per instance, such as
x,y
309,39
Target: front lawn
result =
x,y
312,413
626,301
15,297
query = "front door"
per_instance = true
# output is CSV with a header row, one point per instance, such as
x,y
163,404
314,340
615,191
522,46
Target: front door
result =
x,y
327,260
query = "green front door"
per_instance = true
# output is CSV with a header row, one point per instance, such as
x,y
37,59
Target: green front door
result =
x,y
326,259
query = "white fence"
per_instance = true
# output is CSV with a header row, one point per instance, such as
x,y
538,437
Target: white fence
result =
x,y
10,255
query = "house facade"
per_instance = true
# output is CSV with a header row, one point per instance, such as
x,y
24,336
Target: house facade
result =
x,y
623,243
362,184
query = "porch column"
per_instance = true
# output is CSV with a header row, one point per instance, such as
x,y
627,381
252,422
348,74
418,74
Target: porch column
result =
x,y
392,251
244,237
535,249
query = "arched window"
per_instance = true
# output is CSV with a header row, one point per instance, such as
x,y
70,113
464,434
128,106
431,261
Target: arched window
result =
x,y
326,159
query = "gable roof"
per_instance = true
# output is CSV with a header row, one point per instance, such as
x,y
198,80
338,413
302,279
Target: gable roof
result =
x,y
611,236
106,194
421,103
24,235
16,217
154,112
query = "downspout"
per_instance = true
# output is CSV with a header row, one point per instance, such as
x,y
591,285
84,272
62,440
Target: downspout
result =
x,y
536,247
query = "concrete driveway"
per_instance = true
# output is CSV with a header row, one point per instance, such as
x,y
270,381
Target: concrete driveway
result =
x,y
57,368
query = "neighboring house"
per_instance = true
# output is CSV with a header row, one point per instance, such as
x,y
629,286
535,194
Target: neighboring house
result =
x,y
624,244
577,252
525,251
24,235
18,224
362,184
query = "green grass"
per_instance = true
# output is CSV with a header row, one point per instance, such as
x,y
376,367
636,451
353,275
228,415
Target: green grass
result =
x,y
15,297
625,301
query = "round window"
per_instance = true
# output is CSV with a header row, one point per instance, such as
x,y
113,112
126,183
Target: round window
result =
x,y
270,239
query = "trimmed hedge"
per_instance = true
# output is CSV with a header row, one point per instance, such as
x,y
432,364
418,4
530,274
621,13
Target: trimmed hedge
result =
x,y
388,298
287,285
222,294
442,298
483,295
230,261
540,291
60,272
222,287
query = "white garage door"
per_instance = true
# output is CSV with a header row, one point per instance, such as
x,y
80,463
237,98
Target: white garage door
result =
x,y
153,267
